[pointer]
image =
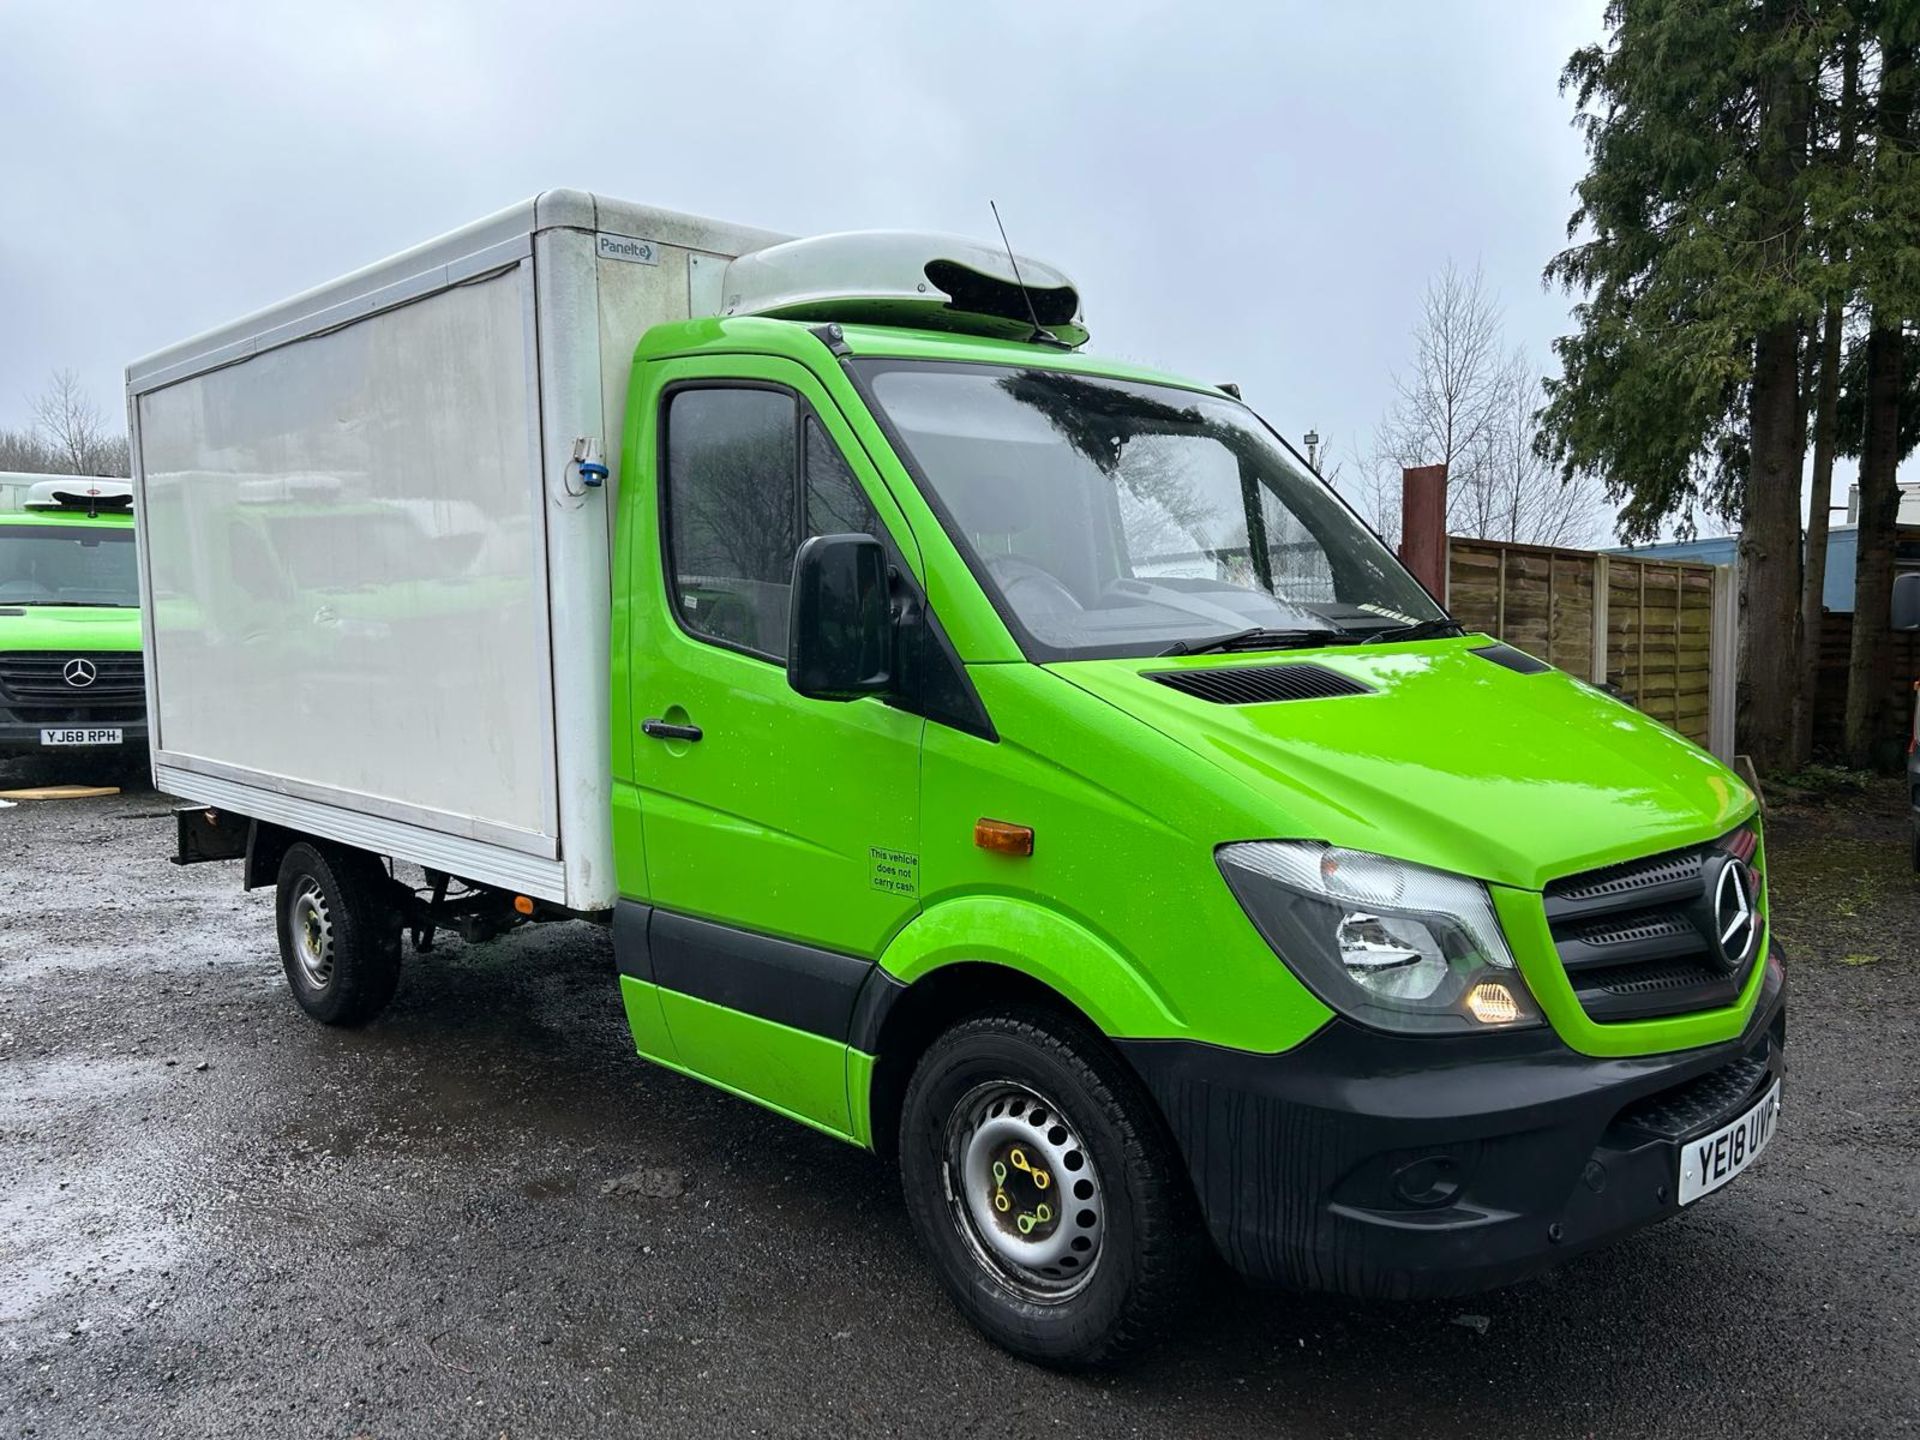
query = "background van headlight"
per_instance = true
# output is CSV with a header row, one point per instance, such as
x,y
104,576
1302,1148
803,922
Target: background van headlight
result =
x,y
1392,945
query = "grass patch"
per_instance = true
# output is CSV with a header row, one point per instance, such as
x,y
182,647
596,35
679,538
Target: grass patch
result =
x,y
1835,896
1819,782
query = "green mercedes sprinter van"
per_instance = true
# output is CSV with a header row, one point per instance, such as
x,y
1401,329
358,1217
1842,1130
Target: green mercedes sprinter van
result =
x,y
1011,761
70,666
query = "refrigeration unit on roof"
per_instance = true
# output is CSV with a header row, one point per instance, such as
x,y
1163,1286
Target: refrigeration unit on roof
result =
x,y
908,278
79,492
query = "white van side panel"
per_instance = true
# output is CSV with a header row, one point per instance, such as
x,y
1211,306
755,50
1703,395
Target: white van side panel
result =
x,y
579,539
347,567
377,592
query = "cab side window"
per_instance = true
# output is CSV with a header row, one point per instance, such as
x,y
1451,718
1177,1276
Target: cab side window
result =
x,y
730,506
836,505
749,473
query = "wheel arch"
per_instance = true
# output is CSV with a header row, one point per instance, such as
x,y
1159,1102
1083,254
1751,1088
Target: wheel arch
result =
x,y
981,953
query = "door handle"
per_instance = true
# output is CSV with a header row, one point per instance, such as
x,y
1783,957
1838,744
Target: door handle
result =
x,y
666,730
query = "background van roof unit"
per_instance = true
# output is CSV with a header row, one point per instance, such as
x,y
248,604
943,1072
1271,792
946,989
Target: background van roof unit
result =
x,y
90,493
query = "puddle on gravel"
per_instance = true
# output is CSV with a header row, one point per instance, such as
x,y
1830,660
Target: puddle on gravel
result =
x,y
181,935
80,1215
74,1241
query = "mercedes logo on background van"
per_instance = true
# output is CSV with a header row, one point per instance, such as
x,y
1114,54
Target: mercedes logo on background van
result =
x,y
79,673
1735,926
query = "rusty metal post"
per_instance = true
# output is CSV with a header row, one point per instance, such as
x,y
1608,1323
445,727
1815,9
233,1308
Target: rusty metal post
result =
x,y
1423,526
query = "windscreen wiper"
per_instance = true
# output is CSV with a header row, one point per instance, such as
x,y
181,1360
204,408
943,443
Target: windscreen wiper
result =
x,y
1260,637
1420,630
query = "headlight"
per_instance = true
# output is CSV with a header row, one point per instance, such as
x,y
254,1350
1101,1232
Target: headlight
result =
x,y
1392,945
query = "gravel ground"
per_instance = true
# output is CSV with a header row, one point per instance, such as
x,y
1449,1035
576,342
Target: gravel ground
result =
x,y
483,1216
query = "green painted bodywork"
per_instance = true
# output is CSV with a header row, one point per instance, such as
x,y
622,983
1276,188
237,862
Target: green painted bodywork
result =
x,y
118,520
795,1074
860,1097
767,823
1129,785
804,1075
67,627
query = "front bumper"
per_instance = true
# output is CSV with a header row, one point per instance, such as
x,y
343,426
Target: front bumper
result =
x,y
1394,1167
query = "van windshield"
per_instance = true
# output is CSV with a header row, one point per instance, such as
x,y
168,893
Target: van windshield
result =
x,y
1110,518
67,565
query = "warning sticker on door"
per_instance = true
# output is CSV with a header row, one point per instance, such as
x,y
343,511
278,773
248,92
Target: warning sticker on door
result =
x,y
895,871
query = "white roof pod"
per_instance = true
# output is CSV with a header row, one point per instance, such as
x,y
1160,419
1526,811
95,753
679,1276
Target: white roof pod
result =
x,y
904,277
79,492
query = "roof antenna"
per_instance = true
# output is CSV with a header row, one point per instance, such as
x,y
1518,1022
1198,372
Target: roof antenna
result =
x,y
1040,334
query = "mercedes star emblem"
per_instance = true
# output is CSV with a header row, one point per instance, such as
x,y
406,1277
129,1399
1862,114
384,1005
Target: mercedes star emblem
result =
x,y
1733,920
79,673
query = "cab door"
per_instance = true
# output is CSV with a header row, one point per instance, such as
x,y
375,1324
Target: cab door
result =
x,y
781,834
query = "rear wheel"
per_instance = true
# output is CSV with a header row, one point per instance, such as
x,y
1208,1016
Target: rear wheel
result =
x,y
1042,1182
339,933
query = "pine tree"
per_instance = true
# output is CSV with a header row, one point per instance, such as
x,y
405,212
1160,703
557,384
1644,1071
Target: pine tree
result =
x,y
1703,272
1890,288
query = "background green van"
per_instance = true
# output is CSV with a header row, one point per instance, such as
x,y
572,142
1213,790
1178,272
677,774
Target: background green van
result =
x,y
70,664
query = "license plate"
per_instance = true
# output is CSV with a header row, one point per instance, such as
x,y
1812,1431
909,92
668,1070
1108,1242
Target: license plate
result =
x,y
1711,1161
74,735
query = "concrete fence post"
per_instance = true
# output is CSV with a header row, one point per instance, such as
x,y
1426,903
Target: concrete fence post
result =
x,y
1723,658
1602,594
1423,526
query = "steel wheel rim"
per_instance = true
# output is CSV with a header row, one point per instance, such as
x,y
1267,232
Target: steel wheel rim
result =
x,y
1023,1191
312,926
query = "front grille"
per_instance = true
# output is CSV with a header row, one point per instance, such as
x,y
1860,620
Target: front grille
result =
x,y
1650,978
78,714
34,687
1636,930
1636,939
1637,877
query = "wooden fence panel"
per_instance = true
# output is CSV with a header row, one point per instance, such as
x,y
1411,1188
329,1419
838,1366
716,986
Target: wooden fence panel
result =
x,y
1830,687
1538,600
1656,619
1660,639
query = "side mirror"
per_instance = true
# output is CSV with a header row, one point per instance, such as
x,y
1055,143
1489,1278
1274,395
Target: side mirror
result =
x,y
1906,601
840,626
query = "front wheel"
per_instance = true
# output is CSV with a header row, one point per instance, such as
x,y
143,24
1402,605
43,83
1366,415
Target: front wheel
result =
x,y
339,933
1041,1180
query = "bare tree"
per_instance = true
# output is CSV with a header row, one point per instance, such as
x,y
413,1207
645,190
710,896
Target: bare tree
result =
x,y
1373,488
1470,405
1445,408
24,450
1523,498
76,441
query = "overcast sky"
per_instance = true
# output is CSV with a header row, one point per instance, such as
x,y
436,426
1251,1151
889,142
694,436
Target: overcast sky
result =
x,y
1249,192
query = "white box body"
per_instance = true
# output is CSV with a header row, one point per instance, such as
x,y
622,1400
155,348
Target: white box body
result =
x,y
374,589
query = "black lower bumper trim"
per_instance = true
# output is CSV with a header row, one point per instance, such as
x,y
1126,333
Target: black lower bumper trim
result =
x,y
1396,1167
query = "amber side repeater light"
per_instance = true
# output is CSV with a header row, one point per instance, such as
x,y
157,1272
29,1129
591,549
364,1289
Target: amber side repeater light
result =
x,y
1002,838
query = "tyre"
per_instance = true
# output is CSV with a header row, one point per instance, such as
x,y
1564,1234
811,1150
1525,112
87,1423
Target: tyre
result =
x,y
339,934
1042,1182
